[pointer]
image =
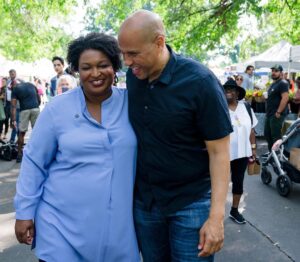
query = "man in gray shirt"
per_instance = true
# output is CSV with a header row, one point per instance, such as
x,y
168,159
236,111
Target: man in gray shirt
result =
x,y
248,82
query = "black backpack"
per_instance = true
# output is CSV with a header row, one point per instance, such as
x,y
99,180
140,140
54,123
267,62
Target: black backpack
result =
x,y
248,107
8,151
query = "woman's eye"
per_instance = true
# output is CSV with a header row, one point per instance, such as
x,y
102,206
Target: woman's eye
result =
x,y
104,66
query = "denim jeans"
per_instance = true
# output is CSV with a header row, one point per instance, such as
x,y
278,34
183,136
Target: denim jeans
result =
x,y
173,237
14,131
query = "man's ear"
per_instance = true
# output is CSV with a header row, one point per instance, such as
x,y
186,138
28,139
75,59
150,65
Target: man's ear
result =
x,y
160,41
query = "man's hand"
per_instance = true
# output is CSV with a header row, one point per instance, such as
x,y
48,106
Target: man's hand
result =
x,y
13,124
211,237
24,230
277,115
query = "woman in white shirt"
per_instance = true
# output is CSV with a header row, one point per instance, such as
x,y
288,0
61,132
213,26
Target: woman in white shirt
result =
x,y
242,142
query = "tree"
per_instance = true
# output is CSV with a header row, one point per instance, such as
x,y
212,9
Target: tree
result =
x,y
196,26
28,29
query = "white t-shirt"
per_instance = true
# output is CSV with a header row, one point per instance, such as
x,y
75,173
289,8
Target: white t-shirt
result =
x,y
240,145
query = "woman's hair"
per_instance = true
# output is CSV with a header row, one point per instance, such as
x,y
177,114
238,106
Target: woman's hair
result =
x,y
96,41
70,79
238,76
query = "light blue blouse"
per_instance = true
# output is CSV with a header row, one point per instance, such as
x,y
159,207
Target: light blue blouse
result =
x,y
76,181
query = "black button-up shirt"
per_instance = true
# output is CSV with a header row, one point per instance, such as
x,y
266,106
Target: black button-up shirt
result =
x,y
172,117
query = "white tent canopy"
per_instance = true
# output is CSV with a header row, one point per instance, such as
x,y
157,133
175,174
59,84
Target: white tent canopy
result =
x,y
282,53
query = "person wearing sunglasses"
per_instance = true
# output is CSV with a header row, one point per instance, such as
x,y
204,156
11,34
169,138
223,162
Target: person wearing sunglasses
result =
x,y
242,142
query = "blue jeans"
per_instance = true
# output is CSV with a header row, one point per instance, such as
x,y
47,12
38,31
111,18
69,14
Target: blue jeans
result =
x,y
15,131
173,237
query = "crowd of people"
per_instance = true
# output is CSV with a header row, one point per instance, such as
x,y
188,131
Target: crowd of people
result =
x,y
20,102
119,172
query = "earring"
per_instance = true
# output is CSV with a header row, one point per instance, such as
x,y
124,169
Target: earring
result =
x,y
116,79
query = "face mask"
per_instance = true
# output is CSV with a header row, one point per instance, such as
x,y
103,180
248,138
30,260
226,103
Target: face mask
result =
x,y
64,89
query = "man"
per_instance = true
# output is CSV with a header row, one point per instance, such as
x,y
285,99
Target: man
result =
x,y
12,82
27,95
276,111
58,64
178,110
248,82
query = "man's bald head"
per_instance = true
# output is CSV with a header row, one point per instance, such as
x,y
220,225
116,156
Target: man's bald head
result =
x,y
142,42
144,24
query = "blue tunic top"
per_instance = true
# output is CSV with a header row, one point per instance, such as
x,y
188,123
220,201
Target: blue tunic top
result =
x,y
76,181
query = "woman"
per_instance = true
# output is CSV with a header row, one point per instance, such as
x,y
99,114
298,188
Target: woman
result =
x,y
242,143
239,79
65,83
77,174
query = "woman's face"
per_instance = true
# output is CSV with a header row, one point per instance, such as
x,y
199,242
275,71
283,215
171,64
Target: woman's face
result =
x,y
64,83
96,72
239,80
231,94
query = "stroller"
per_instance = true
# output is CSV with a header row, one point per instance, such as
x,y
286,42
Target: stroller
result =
x,y
278,161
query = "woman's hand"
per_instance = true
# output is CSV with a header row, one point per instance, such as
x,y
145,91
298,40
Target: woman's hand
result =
x,y
24,230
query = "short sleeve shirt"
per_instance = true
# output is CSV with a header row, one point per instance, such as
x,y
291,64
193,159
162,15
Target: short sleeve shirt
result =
x,y
240,145
274,97
26,94
172,117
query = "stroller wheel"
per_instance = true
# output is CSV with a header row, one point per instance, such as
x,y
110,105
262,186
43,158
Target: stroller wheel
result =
x,y
265,176
283,185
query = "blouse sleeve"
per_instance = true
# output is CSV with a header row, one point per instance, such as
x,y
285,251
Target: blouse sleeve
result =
x,y
38,155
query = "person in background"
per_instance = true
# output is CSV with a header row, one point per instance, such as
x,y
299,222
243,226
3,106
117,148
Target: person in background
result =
x,y
27,95
290,81
242,142
183,156
12,82
40,88
238,79
297,96
75,189
248,78
4,124
277,109
58,64
65,83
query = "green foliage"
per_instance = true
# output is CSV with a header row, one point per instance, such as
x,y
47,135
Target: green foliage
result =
x,y
27,32
196,26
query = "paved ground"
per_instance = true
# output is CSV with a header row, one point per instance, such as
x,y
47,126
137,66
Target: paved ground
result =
x,y
272,232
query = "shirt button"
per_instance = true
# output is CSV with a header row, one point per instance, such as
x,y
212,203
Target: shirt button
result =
x,y
146,107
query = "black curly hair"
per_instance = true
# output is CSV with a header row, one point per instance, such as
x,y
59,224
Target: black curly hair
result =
x,y
97,41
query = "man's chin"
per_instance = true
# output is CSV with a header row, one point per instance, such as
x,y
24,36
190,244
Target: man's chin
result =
x,y
275,78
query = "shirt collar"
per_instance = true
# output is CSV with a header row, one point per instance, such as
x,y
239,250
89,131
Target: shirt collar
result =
x,y
166,75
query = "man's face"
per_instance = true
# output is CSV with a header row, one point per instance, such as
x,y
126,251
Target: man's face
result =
x,y
139,54
58,67
276,74
3,82
250,71
12,75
